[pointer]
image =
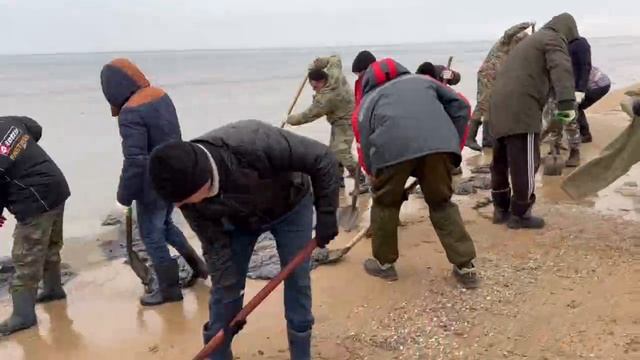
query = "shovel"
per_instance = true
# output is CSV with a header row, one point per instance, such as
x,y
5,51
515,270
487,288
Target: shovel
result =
x,y
139,267
553,163
349,215
295,100
241,317
336,255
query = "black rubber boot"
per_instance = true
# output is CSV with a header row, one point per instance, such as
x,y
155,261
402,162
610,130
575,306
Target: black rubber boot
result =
x,y
527,221
52,289
299,344
196,264
471,137
24,312
168,289
500,216
574,158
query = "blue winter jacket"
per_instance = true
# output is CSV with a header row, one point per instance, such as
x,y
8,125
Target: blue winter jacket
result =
x,y
146,118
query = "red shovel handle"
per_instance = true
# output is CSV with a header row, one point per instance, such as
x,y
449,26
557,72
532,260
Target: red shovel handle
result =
x,y
218,340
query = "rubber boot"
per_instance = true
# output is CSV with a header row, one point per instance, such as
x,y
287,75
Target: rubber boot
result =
x,y
299,344
471,137
527,221
52,289
168,289
196,264
500,216
574,158
24,312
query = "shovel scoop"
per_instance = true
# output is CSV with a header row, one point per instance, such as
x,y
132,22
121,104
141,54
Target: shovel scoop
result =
x,y
553,163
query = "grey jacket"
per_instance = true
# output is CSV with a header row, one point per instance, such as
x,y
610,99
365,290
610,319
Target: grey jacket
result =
x,y
524,82
406,116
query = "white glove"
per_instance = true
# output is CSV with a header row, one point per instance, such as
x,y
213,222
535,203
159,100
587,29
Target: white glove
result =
x,y
579,97
447,74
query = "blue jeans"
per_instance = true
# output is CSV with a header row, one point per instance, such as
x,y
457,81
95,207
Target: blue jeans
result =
x,y
292,232
157,230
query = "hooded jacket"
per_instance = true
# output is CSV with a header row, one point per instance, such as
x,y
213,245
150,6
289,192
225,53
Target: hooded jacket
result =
x,y
404,116
264,172
334,100
538,64
30,182
146,119
501,49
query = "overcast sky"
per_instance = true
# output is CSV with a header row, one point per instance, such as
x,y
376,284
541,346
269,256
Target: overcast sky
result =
x,y
51,26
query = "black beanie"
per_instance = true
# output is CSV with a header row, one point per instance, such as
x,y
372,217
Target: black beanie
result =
x,y
178,170
427,68
362,61
318,75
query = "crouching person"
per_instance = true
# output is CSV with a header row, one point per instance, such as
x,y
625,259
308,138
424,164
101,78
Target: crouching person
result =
x,y
237,182
412,125
34,190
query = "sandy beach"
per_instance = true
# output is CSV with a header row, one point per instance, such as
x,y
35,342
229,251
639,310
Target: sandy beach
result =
x,y
569,291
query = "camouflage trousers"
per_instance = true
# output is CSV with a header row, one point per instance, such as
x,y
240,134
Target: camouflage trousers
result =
x,y
555,130
36,246
341,142
481,109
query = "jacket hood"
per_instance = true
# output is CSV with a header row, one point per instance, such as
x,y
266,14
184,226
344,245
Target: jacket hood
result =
x,y
120,79
381,72
564,24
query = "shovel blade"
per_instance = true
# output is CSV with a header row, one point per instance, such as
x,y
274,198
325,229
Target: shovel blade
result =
x,y
553,165
348,218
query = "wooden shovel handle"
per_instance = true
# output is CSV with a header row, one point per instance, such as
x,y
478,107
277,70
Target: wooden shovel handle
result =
x,y
218,340
295,99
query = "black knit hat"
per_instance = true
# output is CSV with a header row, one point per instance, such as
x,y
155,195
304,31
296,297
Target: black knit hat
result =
x,y
362,61
427,68
178,170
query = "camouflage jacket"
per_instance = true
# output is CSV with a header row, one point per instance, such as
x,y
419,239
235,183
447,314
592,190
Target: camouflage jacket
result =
x,y
335,100
501,49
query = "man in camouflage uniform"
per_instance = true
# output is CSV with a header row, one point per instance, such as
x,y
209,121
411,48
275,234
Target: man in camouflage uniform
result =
x,y
34,190
334,99
486,77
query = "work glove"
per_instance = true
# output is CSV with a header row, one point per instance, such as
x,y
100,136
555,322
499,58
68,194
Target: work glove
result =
x,y
2,220
579,97
326,227
447,75
636,107
565,117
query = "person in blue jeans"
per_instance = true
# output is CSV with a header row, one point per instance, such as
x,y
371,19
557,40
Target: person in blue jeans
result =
x,y
147,119
237,182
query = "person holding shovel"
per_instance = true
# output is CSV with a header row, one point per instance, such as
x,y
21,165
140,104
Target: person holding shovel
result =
x,y
34,190
417,130
538,64
147,119
237,182
334,99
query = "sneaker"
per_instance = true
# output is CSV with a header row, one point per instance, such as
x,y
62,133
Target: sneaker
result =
x,y
467,276
386,271
574,158
525,222
587,138
500,216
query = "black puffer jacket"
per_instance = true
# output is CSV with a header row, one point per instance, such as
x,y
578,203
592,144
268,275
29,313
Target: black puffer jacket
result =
x,y
30,182
264,172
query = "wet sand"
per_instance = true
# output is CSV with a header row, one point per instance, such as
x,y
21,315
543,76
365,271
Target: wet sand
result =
x,y
566,292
